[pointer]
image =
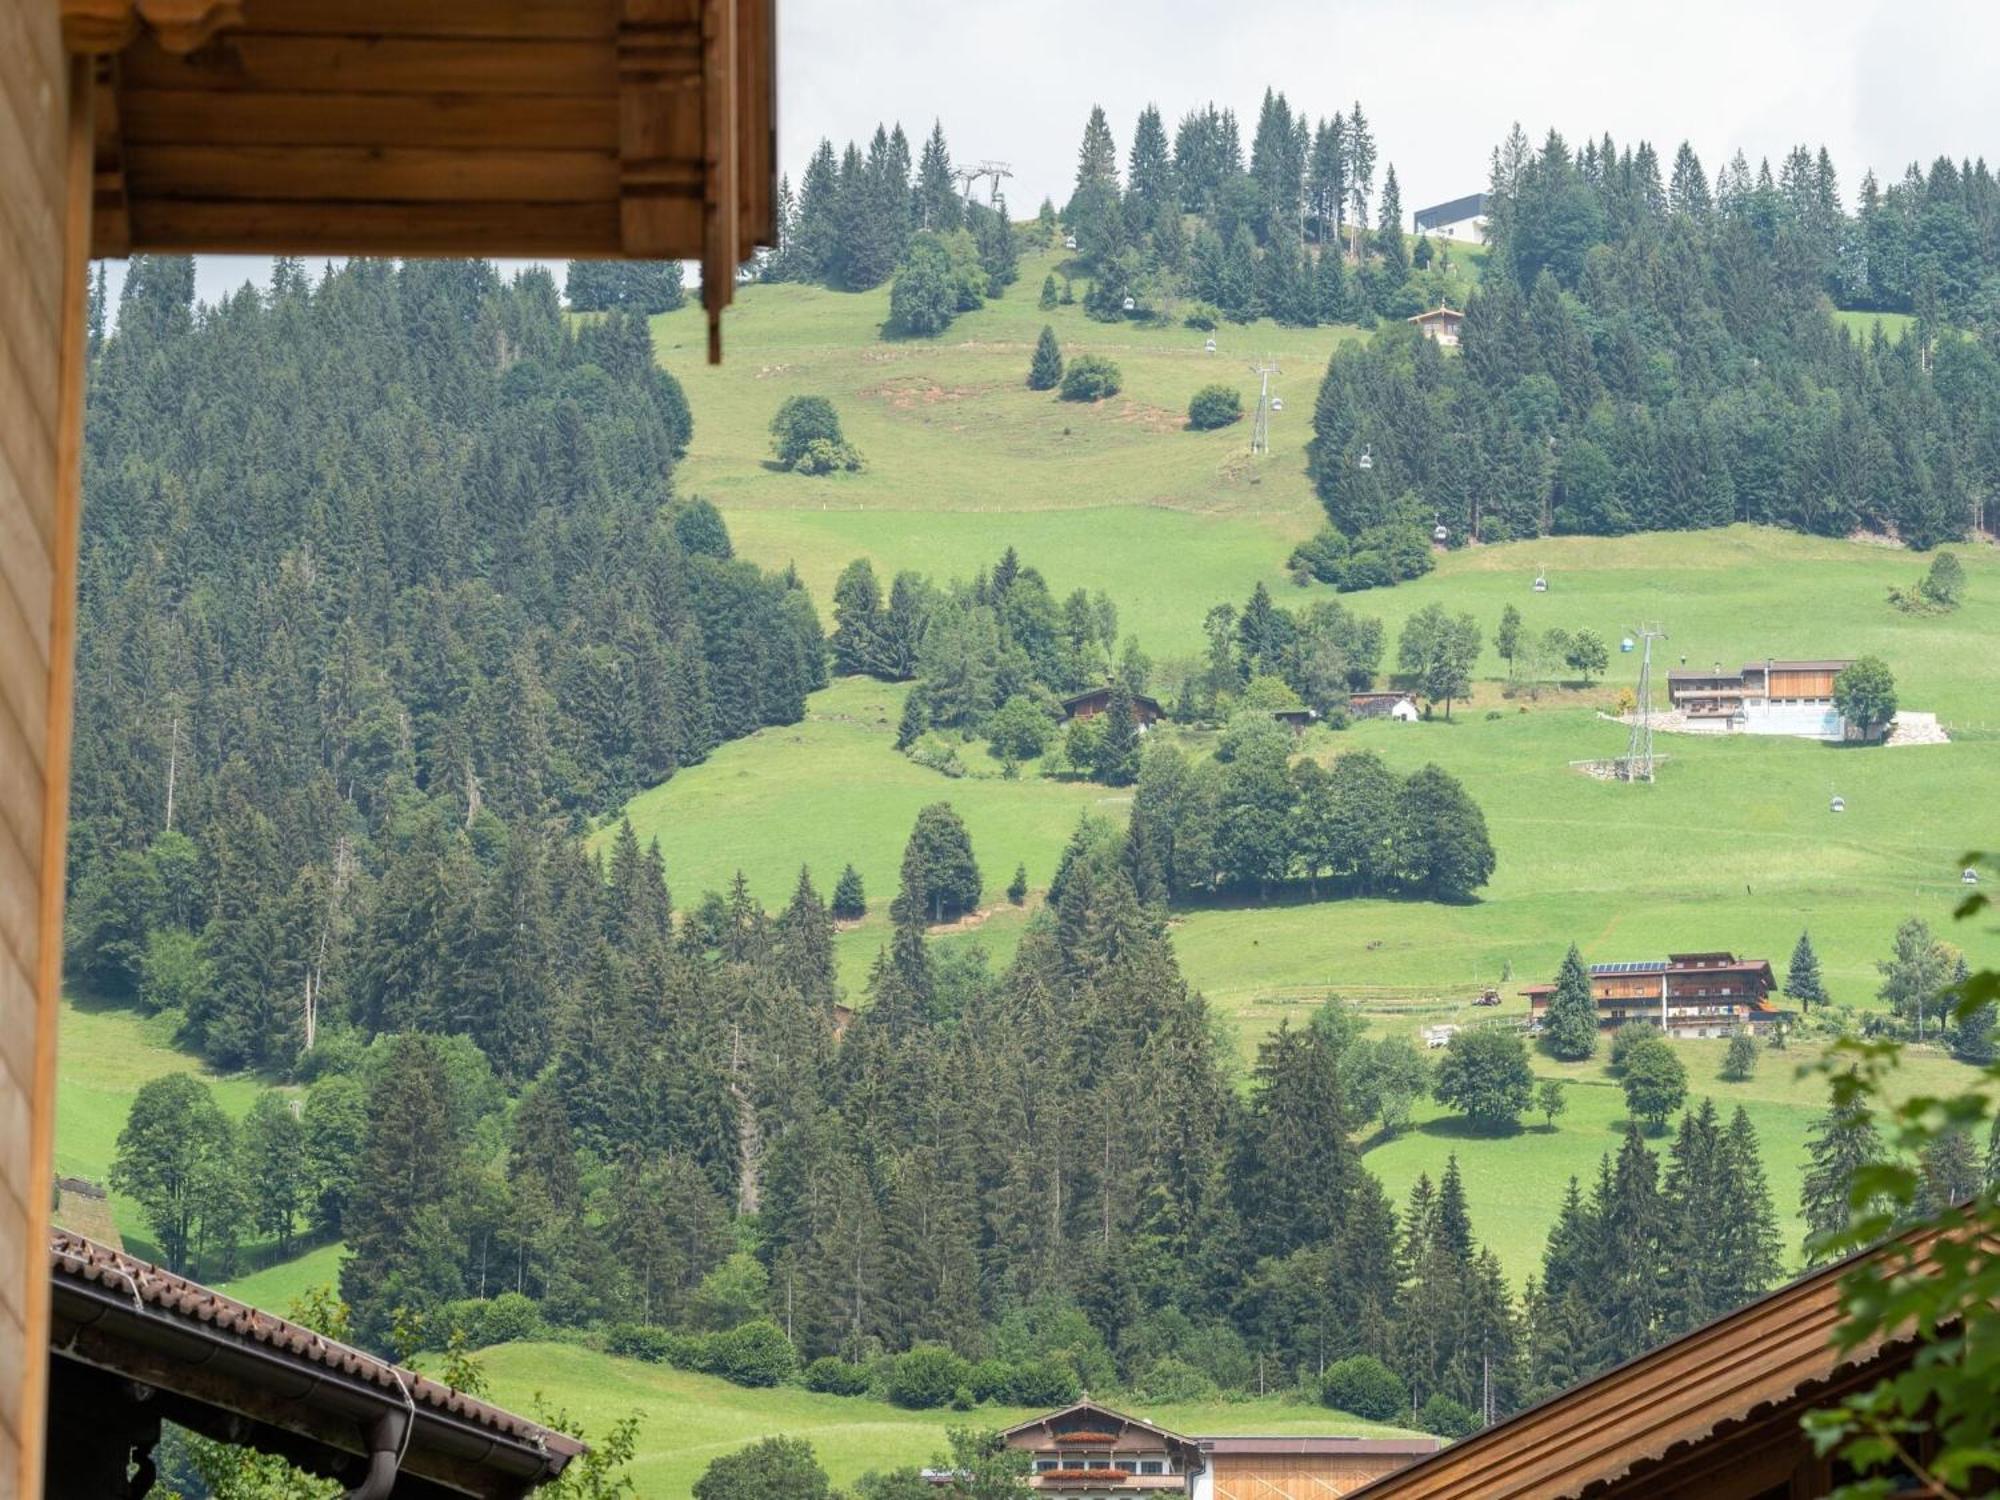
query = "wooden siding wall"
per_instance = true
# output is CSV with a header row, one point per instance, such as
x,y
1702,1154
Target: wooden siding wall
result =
x,y
44,218
1286,1476
1801,684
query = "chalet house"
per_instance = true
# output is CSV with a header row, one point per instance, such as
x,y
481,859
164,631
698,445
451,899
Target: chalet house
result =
x,y
606,129
1146,712
1383,706
1440,324
1095,1453
1713,1415
1298,720
1458,219
1767,697
1685,994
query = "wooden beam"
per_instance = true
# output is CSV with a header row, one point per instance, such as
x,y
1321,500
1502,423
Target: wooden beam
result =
x,y
546,122
273,63
110,219
660,126
518,20
281,228
722,249
361,174
79,152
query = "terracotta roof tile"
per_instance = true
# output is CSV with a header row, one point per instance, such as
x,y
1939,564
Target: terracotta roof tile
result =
x,y
78,1258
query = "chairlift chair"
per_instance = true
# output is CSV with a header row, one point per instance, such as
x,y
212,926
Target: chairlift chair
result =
x,y
1541,584
1069,242
1968,876
1838,804
1277,403
1131,304
1366,461
1440,533
1209,346
1626,645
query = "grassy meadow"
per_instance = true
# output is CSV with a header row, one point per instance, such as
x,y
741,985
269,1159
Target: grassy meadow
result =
x,y
963,459
687,1420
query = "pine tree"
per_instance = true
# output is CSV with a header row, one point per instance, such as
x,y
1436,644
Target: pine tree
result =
x,y
938,208
1571,1027
1802,977
1118,758
1843,1141
850,902
1046,370
1048,297
1747,1249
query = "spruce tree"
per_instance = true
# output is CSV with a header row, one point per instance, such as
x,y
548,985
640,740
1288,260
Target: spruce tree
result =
x,y
1748,1249
1048,297
1046,370
1017,888
850,901
1843,1141
1118,759
1571,1027
1802,978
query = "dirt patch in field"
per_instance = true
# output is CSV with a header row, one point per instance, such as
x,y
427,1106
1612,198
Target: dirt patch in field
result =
x,y
908,392
765,372
1152,418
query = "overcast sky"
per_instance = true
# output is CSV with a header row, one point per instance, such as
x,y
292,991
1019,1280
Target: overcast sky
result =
x,y
1441,80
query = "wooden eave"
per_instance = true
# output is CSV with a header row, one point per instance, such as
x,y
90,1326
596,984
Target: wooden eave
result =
x,y
588,129
1648,1417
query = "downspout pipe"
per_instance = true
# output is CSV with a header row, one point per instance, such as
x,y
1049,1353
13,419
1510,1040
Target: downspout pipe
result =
x,y
386,1441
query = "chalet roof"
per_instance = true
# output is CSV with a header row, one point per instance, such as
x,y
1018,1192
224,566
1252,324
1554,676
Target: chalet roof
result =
x,y
1641,1418
1307,1446
116,1312
1451,211
1434,314
1715,674
1386,697
633,129
1114,1420
1089,695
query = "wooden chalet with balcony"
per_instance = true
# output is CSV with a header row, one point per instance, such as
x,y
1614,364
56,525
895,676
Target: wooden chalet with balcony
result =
x,y
1095,1453
1090,1451
1767,697
1146,711
1684,994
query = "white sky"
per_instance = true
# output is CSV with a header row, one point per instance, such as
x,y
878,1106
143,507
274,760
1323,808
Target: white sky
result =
x,y
1879,82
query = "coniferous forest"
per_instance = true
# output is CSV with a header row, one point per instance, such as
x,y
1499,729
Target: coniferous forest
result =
x,y
389,604
1650,351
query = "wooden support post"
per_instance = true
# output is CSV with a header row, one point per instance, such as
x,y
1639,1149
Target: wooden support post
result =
x,y
79,151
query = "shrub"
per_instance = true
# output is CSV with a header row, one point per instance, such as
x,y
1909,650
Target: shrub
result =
x,y
961,1399
1447,1418
510,1318
836,1377
1017,888
926,1377
1215,406
1172,1379
1627,1036
806,437
1202,316
1090,377
1018,730
644,1341
992,1380
755,1354
1362,1386
1046,1383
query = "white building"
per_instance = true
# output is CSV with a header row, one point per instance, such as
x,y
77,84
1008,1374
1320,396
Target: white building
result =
x,y
1460,219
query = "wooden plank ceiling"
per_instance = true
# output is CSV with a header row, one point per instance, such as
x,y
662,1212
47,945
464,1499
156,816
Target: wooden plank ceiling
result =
x,y
633,129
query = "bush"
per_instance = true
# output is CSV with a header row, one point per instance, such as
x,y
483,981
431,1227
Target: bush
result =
x,y
655,1345
755,1354
1172,1379
1215,406
1627,1036
1202,316
1447,1418
1018,730
806,437
1044,1383
1090,377
926,1377
836,1377
1362,1386
991,1380
961,1399
511,1318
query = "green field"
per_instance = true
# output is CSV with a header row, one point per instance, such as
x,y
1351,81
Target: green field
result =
x,y
687,1420
1515,1183
105,1054
1114,495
